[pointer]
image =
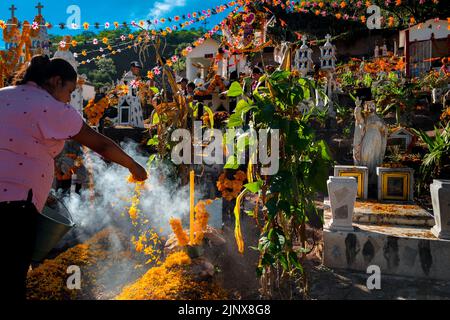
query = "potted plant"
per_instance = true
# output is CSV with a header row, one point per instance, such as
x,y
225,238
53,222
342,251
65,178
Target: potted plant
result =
x,y
436,164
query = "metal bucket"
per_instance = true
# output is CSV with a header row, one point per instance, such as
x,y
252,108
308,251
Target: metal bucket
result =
x,y
52,224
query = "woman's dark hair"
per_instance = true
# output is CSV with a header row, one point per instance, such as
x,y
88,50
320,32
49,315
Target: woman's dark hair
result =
x,y
41,68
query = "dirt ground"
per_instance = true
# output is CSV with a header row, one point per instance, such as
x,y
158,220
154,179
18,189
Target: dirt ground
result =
x,y
328,284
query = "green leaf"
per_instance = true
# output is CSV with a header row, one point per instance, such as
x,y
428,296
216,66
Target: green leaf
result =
x,y
325,152
155,119
153,141
232,163
235,90
254,186
155,90
293,259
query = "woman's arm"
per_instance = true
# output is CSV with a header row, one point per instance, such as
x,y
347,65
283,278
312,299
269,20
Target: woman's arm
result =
x,y
108,149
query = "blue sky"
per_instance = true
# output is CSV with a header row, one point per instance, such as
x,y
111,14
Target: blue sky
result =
x,y
102,11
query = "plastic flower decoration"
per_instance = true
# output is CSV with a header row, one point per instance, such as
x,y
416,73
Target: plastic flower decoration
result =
x,y
101,50
116,25
86,26
74,26
62,44
2,24
105,40
107,25
84,53
169,30
131,36
35,25
134,83
156,71
123,37
174,59
141,23
95,41
75,55
150,75
189,49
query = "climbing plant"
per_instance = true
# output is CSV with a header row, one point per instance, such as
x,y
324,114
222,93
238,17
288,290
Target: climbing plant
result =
x,y
288,195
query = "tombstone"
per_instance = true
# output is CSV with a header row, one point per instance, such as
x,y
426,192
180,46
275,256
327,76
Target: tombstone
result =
x,y
401,137
40,40
328,55
130,112
360,173
342,192
395,184
303,61
376,52
384,50
440,196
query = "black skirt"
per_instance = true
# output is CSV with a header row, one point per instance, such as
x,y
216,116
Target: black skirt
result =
x,y
17,238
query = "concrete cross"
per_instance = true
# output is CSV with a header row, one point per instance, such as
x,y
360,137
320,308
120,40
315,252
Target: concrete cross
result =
x,y
39,7
12,9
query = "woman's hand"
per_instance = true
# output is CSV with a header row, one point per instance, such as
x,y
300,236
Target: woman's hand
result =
x,y
138,172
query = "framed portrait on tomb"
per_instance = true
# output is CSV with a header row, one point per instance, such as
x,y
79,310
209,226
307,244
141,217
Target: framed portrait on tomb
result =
x,y
395,186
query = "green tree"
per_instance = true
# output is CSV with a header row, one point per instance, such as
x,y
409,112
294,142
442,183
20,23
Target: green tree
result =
x,y
105,72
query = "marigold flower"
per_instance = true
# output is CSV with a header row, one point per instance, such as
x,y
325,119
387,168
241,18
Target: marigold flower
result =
x,y
86,26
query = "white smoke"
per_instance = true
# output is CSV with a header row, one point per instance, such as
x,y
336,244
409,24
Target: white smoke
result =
x,y
160,200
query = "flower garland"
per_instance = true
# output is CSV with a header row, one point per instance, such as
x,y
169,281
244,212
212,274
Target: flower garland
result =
x,y
206,13
230,189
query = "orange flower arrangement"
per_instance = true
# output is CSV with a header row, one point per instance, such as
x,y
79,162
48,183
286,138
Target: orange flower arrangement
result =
x,y
170,281
201,221
177,228
95,110
230,188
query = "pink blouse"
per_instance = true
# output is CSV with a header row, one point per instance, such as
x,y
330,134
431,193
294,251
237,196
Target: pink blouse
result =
x,y
33,127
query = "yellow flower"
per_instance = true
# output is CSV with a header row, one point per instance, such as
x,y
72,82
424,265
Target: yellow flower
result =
x,y
74,43
131,36
2,24
116,24
86,26
84,53
105,40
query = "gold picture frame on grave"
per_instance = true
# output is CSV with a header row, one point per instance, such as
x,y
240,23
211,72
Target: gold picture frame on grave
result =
x,y
358,175
395,186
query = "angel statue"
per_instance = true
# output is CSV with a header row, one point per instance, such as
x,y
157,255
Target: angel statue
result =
x,y
370,138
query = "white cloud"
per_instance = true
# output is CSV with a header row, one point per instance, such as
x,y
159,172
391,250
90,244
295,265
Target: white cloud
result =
x,y
160,8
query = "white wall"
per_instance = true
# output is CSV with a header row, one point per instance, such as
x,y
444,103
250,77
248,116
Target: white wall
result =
x,y
425,32
209,46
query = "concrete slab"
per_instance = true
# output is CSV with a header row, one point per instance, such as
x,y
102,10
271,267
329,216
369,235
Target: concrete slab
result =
x,y
397,250
382,213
